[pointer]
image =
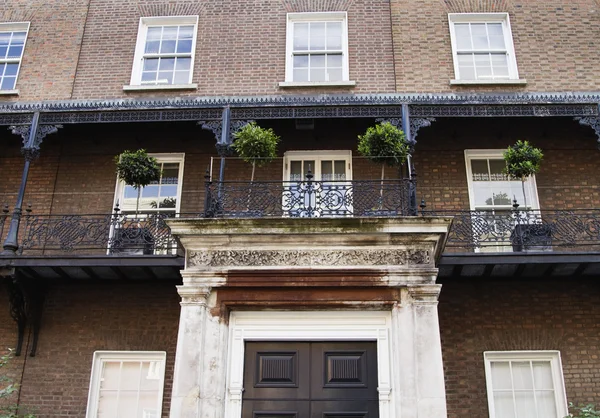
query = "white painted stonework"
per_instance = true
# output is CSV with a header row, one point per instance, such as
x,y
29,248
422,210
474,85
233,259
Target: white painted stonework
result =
x,y
208,377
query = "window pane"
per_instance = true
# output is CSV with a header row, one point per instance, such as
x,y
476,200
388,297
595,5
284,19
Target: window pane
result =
x,y
334,74
167,64
479,34
327,169
295,170
339,169
301,36
167,47
149,76
495,35
11,69
8,83
5,38
317,61
3,51
170,173
500,375
181,77
301,75
184,46
170,32
151,64
130,375
479,168
317,35
334,60
504,405
183,64
525,405
152,47
463,36
334,35
111,371
542,375
186,32
154,33
521,371
546,403
300,61
15,51
317,75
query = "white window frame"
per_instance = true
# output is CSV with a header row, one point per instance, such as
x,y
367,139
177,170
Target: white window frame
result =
x,y
504,19
135,356
289,55
472,154
138,60
309,326
164,158
552,356
317,156
15,27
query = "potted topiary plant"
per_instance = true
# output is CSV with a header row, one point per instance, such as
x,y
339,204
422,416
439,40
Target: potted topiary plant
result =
x,y
137,169
523,161
384,144
257,146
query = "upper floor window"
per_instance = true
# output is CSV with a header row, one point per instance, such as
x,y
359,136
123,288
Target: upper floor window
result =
x,y
482,47
164,54
12,44
525,384
317,48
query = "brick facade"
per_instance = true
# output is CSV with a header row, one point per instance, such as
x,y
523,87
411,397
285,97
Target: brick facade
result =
x,y
78,319
478,316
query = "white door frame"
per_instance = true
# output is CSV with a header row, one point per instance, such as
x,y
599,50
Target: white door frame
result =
x,y
317,156
308,326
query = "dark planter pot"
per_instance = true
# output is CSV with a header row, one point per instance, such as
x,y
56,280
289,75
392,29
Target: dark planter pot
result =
x,y
133,241
534,237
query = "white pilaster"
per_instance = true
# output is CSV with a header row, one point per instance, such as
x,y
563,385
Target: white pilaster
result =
x,y
185,399
418,353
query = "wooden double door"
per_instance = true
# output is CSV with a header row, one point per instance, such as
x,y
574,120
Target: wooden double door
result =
x,y
310,380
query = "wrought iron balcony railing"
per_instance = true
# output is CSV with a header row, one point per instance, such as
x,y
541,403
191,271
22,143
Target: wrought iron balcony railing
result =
x,y
115,234
309,198
523,230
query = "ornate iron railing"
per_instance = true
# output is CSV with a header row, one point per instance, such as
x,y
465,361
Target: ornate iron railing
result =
x,y
523,230
309,198
115,234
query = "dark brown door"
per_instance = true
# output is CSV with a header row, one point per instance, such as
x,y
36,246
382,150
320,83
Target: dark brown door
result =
x,y
310,380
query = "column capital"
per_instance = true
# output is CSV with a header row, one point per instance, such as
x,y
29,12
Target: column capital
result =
x,y
32,150
424,294
593,122
194,294
416,124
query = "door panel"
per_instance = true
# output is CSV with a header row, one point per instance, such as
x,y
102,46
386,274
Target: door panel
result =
x,y
310,379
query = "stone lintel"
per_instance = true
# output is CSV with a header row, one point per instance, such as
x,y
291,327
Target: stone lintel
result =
x,y
311,252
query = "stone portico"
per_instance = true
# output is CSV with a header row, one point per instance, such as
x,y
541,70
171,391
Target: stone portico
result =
x,y
320,279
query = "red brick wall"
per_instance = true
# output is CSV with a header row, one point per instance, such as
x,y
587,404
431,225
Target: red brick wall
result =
x,y
240,48
79,319
477,316
551,38
50,58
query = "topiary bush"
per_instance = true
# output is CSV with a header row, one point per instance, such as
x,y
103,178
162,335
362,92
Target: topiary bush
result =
x,y
522,160
137,169
255,145
384,144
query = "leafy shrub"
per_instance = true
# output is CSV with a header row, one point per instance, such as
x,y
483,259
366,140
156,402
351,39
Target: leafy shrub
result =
x,y
384,144
583,411
255,145
522,160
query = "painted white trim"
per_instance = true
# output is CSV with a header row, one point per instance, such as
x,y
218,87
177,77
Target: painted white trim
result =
x,y
135,356
553,356
145,23
14,27
309,326
317,156
504,18
487,82
175,157
471,154
192,86
289,44
291,84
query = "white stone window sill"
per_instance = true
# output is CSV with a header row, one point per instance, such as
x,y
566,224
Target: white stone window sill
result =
x,y
14,92
317,83
487,82
151,87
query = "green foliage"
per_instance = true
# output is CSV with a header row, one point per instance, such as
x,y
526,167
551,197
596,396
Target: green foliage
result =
x,y
137,168
255,145
7,388
583,411
384,144
522,160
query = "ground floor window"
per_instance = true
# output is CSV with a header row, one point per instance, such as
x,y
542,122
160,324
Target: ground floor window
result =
x,y
525,384
126,384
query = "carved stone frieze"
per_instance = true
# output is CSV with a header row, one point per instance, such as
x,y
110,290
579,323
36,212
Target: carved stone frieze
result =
x,y
318,258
